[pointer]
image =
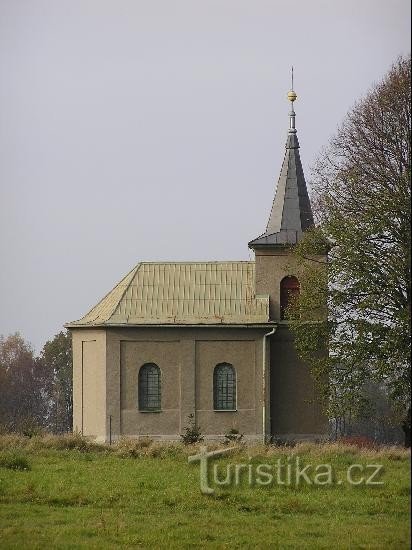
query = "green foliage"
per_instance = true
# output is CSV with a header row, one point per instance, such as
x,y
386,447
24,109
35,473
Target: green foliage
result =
x,y
192,433
56,357
358,301
36,391
23,382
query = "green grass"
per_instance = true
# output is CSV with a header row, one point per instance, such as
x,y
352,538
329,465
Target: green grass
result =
x,y
14,461
147,495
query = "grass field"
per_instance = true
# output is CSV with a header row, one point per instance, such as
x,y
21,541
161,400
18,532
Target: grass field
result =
x,y
66,493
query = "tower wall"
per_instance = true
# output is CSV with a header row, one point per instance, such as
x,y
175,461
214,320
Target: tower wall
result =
x,y
271,266
295,409
296,412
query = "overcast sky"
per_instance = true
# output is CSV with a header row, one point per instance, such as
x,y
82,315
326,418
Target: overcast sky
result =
x,y
155,130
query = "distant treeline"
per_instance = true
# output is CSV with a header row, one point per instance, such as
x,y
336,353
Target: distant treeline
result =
x,y
36,391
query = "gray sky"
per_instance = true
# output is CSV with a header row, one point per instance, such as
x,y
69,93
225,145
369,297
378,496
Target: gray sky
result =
x,y
154,130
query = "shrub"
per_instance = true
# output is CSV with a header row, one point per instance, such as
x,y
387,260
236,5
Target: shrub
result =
x,y
192,433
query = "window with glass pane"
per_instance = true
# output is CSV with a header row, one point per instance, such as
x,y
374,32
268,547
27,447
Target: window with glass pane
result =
x,y
224,387
149,388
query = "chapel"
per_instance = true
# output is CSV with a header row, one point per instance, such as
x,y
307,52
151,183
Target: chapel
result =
x,y
207,342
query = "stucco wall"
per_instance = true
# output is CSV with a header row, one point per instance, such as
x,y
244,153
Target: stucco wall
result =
x,y
107,361
271,267
89,382
243,355
295,408
186,357
166,355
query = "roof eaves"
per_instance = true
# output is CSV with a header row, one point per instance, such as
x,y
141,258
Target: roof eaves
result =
x,y
261,324
269,240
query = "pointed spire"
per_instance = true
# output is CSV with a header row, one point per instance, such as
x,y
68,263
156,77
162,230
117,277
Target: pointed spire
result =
x,y
292,141
291,212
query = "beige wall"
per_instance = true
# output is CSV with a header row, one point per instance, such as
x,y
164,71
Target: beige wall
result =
x,y
271,267
166,355
89,382
247,361
106,364
186,357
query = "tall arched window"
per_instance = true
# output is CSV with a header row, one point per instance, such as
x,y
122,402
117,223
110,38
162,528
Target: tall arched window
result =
x,y
149,388
224,387
289,289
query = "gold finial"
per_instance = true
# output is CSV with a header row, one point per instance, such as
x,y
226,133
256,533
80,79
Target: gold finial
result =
x,y
292,95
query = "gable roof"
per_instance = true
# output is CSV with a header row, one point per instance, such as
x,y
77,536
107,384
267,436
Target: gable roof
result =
x,y
181,293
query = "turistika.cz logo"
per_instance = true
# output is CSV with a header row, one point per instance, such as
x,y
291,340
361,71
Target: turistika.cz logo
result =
x,y
288,471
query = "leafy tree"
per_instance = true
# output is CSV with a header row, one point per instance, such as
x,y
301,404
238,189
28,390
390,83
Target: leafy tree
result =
x,y
362,186
56,358
24,386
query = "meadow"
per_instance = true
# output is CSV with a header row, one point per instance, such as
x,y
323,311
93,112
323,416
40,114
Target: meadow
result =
x,y
66,492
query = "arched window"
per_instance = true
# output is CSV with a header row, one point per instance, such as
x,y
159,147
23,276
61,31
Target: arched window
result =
x,y
289,289
224,387
149,388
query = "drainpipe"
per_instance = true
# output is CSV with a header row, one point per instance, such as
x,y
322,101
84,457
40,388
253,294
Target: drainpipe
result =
x,y
264,383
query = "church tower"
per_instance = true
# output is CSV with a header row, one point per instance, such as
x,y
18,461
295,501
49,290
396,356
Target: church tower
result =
x,y
290,216
295,410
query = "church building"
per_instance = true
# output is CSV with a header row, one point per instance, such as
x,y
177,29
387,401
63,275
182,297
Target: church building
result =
x,y
207,339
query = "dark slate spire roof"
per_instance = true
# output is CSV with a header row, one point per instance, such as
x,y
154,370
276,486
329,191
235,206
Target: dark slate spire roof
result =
x,y
291,212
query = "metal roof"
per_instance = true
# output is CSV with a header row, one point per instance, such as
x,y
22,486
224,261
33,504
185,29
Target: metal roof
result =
x,y
207,293
291,212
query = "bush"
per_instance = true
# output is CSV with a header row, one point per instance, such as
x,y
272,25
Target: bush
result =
x,y
192,433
